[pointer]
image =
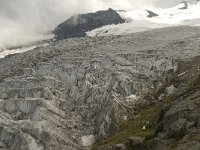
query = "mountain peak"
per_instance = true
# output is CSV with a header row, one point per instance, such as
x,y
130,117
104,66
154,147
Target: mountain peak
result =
x,y
185,5
78,25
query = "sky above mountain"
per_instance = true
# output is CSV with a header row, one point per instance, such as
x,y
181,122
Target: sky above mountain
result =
x,y
23,20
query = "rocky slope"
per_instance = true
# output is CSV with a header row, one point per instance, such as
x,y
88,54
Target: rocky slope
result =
x,y
78,25
78,92
171,123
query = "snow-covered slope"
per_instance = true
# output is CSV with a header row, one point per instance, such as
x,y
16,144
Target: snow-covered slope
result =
x,y
178,14
139,20
126,28
23,49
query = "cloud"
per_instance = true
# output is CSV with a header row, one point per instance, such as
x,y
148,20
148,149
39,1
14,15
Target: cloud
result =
x,y
23,21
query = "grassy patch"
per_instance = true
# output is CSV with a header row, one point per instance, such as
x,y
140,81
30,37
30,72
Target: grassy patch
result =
x,y
174,145
193,137
147,118
195,85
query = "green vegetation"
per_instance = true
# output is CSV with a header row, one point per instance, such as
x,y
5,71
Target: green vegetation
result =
x,y
195,85
143,125
174,145
193,137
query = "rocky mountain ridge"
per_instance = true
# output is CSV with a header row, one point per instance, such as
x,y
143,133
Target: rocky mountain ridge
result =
x,y
78,25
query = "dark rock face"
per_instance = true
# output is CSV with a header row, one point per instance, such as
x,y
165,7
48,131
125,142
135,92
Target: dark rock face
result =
x,y
151,14
78,25
180,129
179,124
135,142
185,5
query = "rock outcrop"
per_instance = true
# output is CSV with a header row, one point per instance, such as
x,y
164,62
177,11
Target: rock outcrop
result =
x,y
185,5
178,125
151,14
77,92
78,25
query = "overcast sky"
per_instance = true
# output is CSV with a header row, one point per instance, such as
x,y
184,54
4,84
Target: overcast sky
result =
x,y
24,20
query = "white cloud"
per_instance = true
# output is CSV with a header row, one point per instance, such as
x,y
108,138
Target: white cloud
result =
x,y
22,21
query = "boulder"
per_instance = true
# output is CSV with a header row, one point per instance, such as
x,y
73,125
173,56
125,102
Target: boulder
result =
x,y
136,142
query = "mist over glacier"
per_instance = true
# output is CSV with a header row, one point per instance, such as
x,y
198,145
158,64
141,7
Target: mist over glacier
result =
x,y
23,21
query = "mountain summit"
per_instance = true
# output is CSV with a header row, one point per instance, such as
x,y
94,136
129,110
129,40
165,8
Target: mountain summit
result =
x,y
78,25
